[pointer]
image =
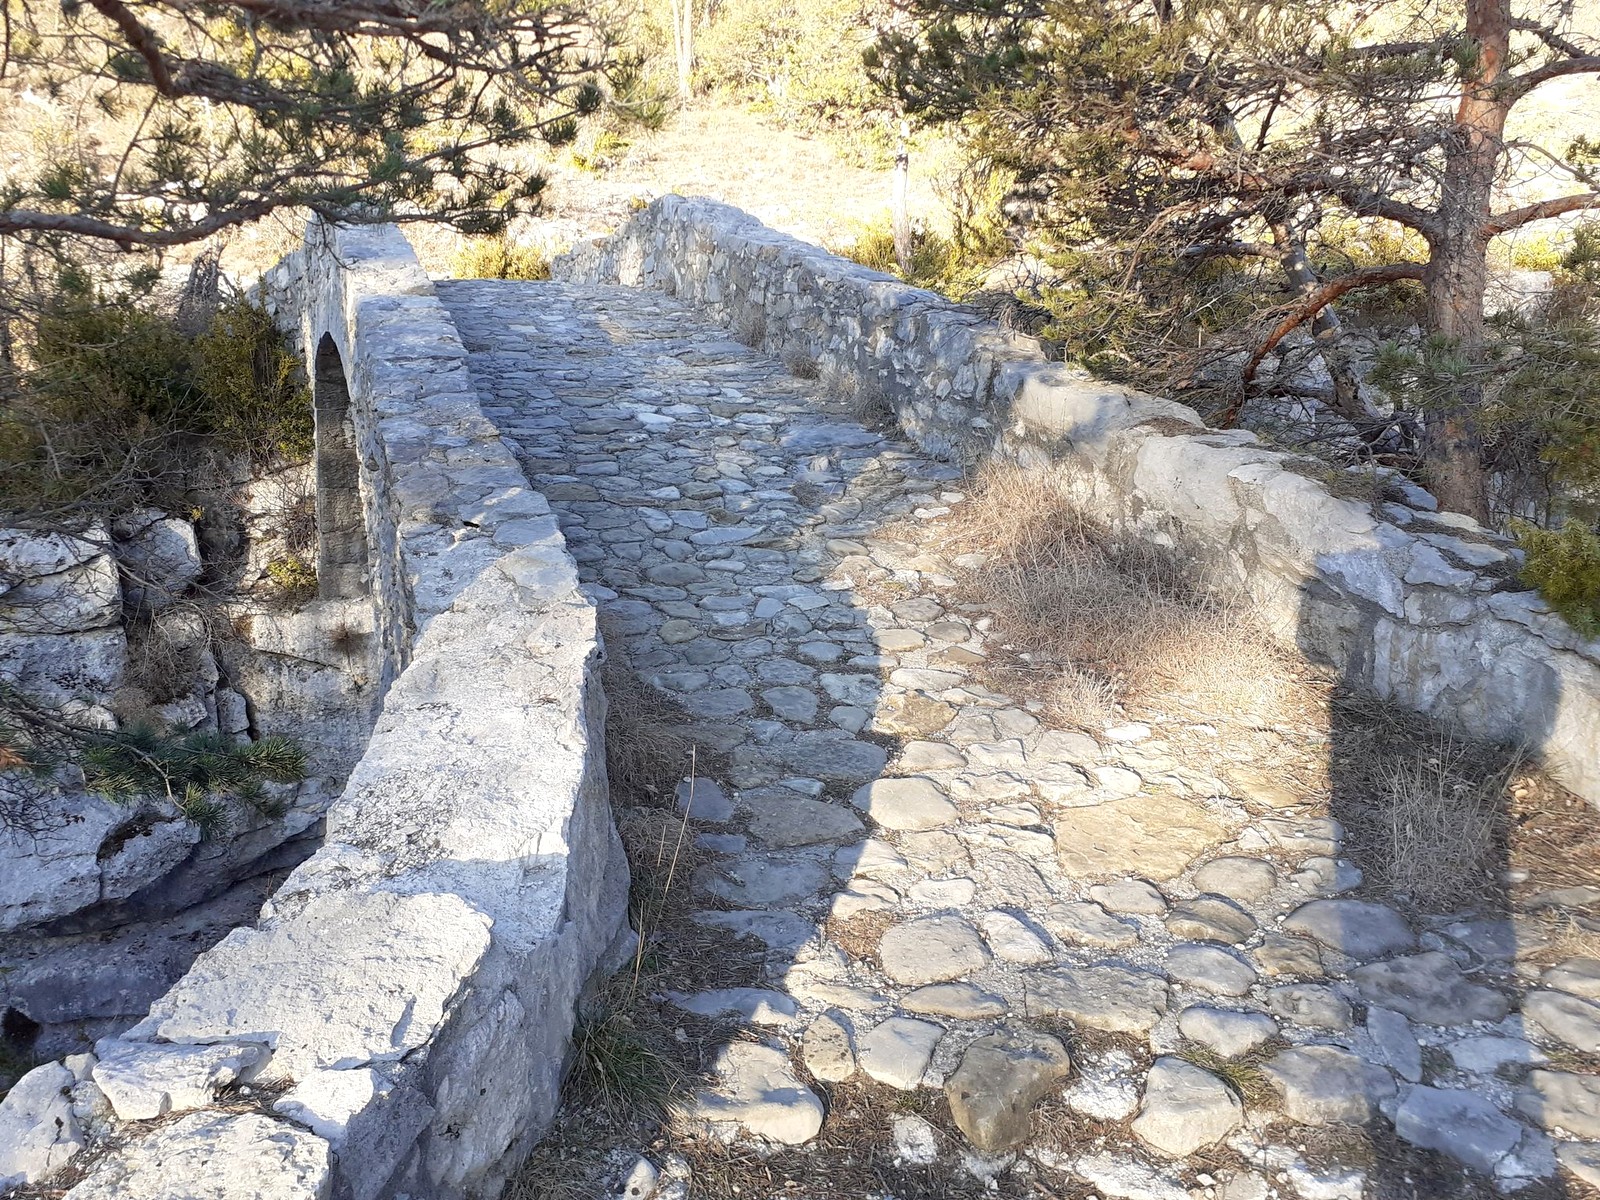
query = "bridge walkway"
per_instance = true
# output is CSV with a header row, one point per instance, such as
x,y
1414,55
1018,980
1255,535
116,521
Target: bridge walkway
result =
x,y
935,881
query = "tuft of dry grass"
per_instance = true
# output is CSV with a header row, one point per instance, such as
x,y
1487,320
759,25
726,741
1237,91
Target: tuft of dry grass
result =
x,y
1242,1074
1443,816
1095,617
800,364
752,327
647,749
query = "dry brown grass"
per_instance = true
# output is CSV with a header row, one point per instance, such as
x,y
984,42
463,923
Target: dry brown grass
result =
x,y
800,364
1096,618
647,748
1444,819
752,327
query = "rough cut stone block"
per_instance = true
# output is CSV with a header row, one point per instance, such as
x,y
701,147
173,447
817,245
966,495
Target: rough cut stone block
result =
x,y
291,984
213,1156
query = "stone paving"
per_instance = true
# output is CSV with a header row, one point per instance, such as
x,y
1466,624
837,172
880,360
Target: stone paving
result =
x,y
744,539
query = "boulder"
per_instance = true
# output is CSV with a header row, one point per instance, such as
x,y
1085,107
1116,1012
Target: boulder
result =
x,y
144,1080
1185,1109
38,1131
999,1080
159,556
57,583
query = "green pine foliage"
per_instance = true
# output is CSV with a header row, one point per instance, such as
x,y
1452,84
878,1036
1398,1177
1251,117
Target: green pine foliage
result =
x,y
205,775
202,773
1564,564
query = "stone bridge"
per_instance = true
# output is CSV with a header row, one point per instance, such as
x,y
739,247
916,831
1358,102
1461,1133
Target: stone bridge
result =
x,y
647,439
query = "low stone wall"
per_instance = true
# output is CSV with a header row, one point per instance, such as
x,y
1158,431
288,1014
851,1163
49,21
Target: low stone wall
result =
x,y
409,992
1412,604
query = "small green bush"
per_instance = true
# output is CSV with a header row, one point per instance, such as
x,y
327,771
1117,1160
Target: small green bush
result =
x,y
108,405
253,389
1564,564
500,258
294,576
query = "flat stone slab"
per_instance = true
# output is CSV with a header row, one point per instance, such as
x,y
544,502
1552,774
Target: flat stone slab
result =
x,y
755,1006
1562,1100
1084,922
1429,988
1568,1018
1237,877
999,1080
1226,1031
761,882
1013,940
964,1001
1577,976
1185,1109
215,1156
1112,998
827,1050
757,1090
1324,1085
1153,836
1211,919
783,819
932,950
905,803
286,985
1461,1124
1313,1004
897,1051
1357,928
1210,969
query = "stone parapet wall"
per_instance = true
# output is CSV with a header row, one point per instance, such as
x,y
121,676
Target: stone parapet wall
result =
x,y
1417,606
400,1014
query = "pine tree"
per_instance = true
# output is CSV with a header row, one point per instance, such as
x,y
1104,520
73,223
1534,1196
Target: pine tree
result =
x,y
1193,129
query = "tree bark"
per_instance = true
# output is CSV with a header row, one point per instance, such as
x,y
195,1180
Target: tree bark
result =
x,y
900,211
1458,268
683,45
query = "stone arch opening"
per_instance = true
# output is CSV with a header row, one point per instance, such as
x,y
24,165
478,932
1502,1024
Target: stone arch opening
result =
x,y
343,567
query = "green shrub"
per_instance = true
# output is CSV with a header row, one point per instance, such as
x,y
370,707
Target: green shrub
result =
x,y
1564,564
937,262
205,775
801,61
500,258
253,389
109,406
294,577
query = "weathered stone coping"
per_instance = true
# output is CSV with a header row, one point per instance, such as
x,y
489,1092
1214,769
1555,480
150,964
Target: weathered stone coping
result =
x,y
1411,604
416,979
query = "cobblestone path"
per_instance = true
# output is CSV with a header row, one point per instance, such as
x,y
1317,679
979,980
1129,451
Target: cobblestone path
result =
x,y
1238,1025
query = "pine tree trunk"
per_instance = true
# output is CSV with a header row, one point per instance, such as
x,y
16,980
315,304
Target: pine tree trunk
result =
x,y
683,44
1458,267
901,211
